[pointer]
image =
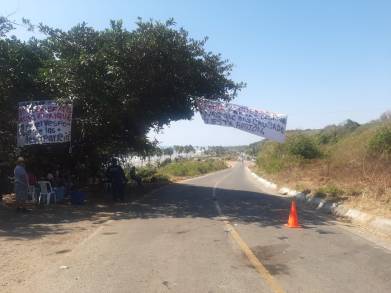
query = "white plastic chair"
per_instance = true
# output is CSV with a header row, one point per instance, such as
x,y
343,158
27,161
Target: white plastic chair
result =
x,y
31,192
46,190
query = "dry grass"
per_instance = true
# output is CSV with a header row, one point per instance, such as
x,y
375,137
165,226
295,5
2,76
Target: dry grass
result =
x,y
371,195
346,172
373,201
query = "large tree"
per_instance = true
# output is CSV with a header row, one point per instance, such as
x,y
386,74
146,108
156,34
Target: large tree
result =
x,y
20,63
123,83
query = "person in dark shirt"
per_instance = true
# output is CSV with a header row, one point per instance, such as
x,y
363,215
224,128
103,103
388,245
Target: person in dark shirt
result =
x,y
116,176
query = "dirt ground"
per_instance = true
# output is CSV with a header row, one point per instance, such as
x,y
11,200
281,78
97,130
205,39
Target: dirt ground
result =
x,y
31,241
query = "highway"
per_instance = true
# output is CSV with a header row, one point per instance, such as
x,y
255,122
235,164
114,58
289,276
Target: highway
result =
x,y
219,233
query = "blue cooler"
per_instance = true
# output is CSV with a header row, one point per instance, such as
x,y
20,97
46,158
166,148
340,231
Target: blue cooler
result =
x,y
60,192
77,197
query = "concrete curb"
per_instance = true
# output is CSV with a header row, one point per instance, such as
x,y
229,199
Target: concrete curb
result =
x,y
379,224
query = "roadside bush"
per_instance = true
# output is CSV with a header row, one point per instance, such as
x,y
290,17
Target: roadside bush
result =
x,y
192,167
333,133
151,175
303,146
274,157
327,138
270,157
165,162
380,144
329,191
146,172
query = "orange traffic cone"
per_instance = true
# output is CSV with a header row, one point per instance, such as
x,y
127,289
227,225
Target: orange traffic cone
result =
x,y
293,221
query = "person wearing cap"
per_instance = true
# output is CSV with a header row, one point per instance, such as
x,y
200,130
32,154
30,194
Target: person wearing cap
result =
x,y
21,184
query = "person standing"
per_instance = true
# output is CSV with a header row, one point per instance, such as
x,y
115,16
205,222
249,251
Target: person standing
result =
x,y
116,176
135,177
21,184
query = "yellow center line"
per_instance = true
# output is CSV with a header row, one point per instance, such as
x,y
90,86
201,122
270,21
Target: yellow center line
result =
x,y
261,269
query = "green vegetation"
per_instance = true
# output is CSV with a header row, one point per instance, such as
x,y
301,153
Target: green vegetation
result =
x,y
338,161
298,148
187,149
186,168
333,133
168,151
151,175
122,83
302,146
380,143
182,168
336,144
253,148
271,157
330,191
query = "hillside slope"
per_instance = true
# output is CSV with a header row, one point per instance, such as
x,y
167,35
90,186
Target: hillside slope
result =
x,y
348,162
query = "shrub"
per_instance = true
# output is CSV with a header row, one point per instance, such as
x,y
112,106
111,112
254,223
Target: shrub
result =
x,y
192,167
333,133
270,157
274,157
303,146
146,172
380,143
151,175
165,162
329,191
327,138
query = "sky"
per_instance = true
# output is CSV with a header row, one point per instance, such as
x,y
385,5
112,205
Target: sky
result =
x,y
319,62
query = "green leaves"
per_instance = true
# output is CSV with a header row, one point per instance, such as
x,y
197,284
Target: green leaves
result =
x,y
147,77
5,26
380,143
122,83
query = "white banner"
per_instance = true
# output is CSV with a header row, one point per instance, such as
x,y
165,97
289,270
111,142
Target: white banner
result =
x,y
263,123
42,122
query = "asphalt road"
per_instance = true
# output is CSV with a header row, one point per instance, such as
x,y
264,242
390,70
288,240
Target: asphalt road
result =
x,y
179,239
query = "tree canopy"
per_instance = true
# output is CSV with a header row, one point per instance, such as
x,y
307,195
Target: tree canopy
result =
x,y
122,83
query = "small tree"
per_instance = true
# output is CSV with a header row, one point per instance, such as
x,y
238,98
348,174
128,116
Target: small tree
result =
x,y
303,146
380,143
179,149
168,151
187,149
